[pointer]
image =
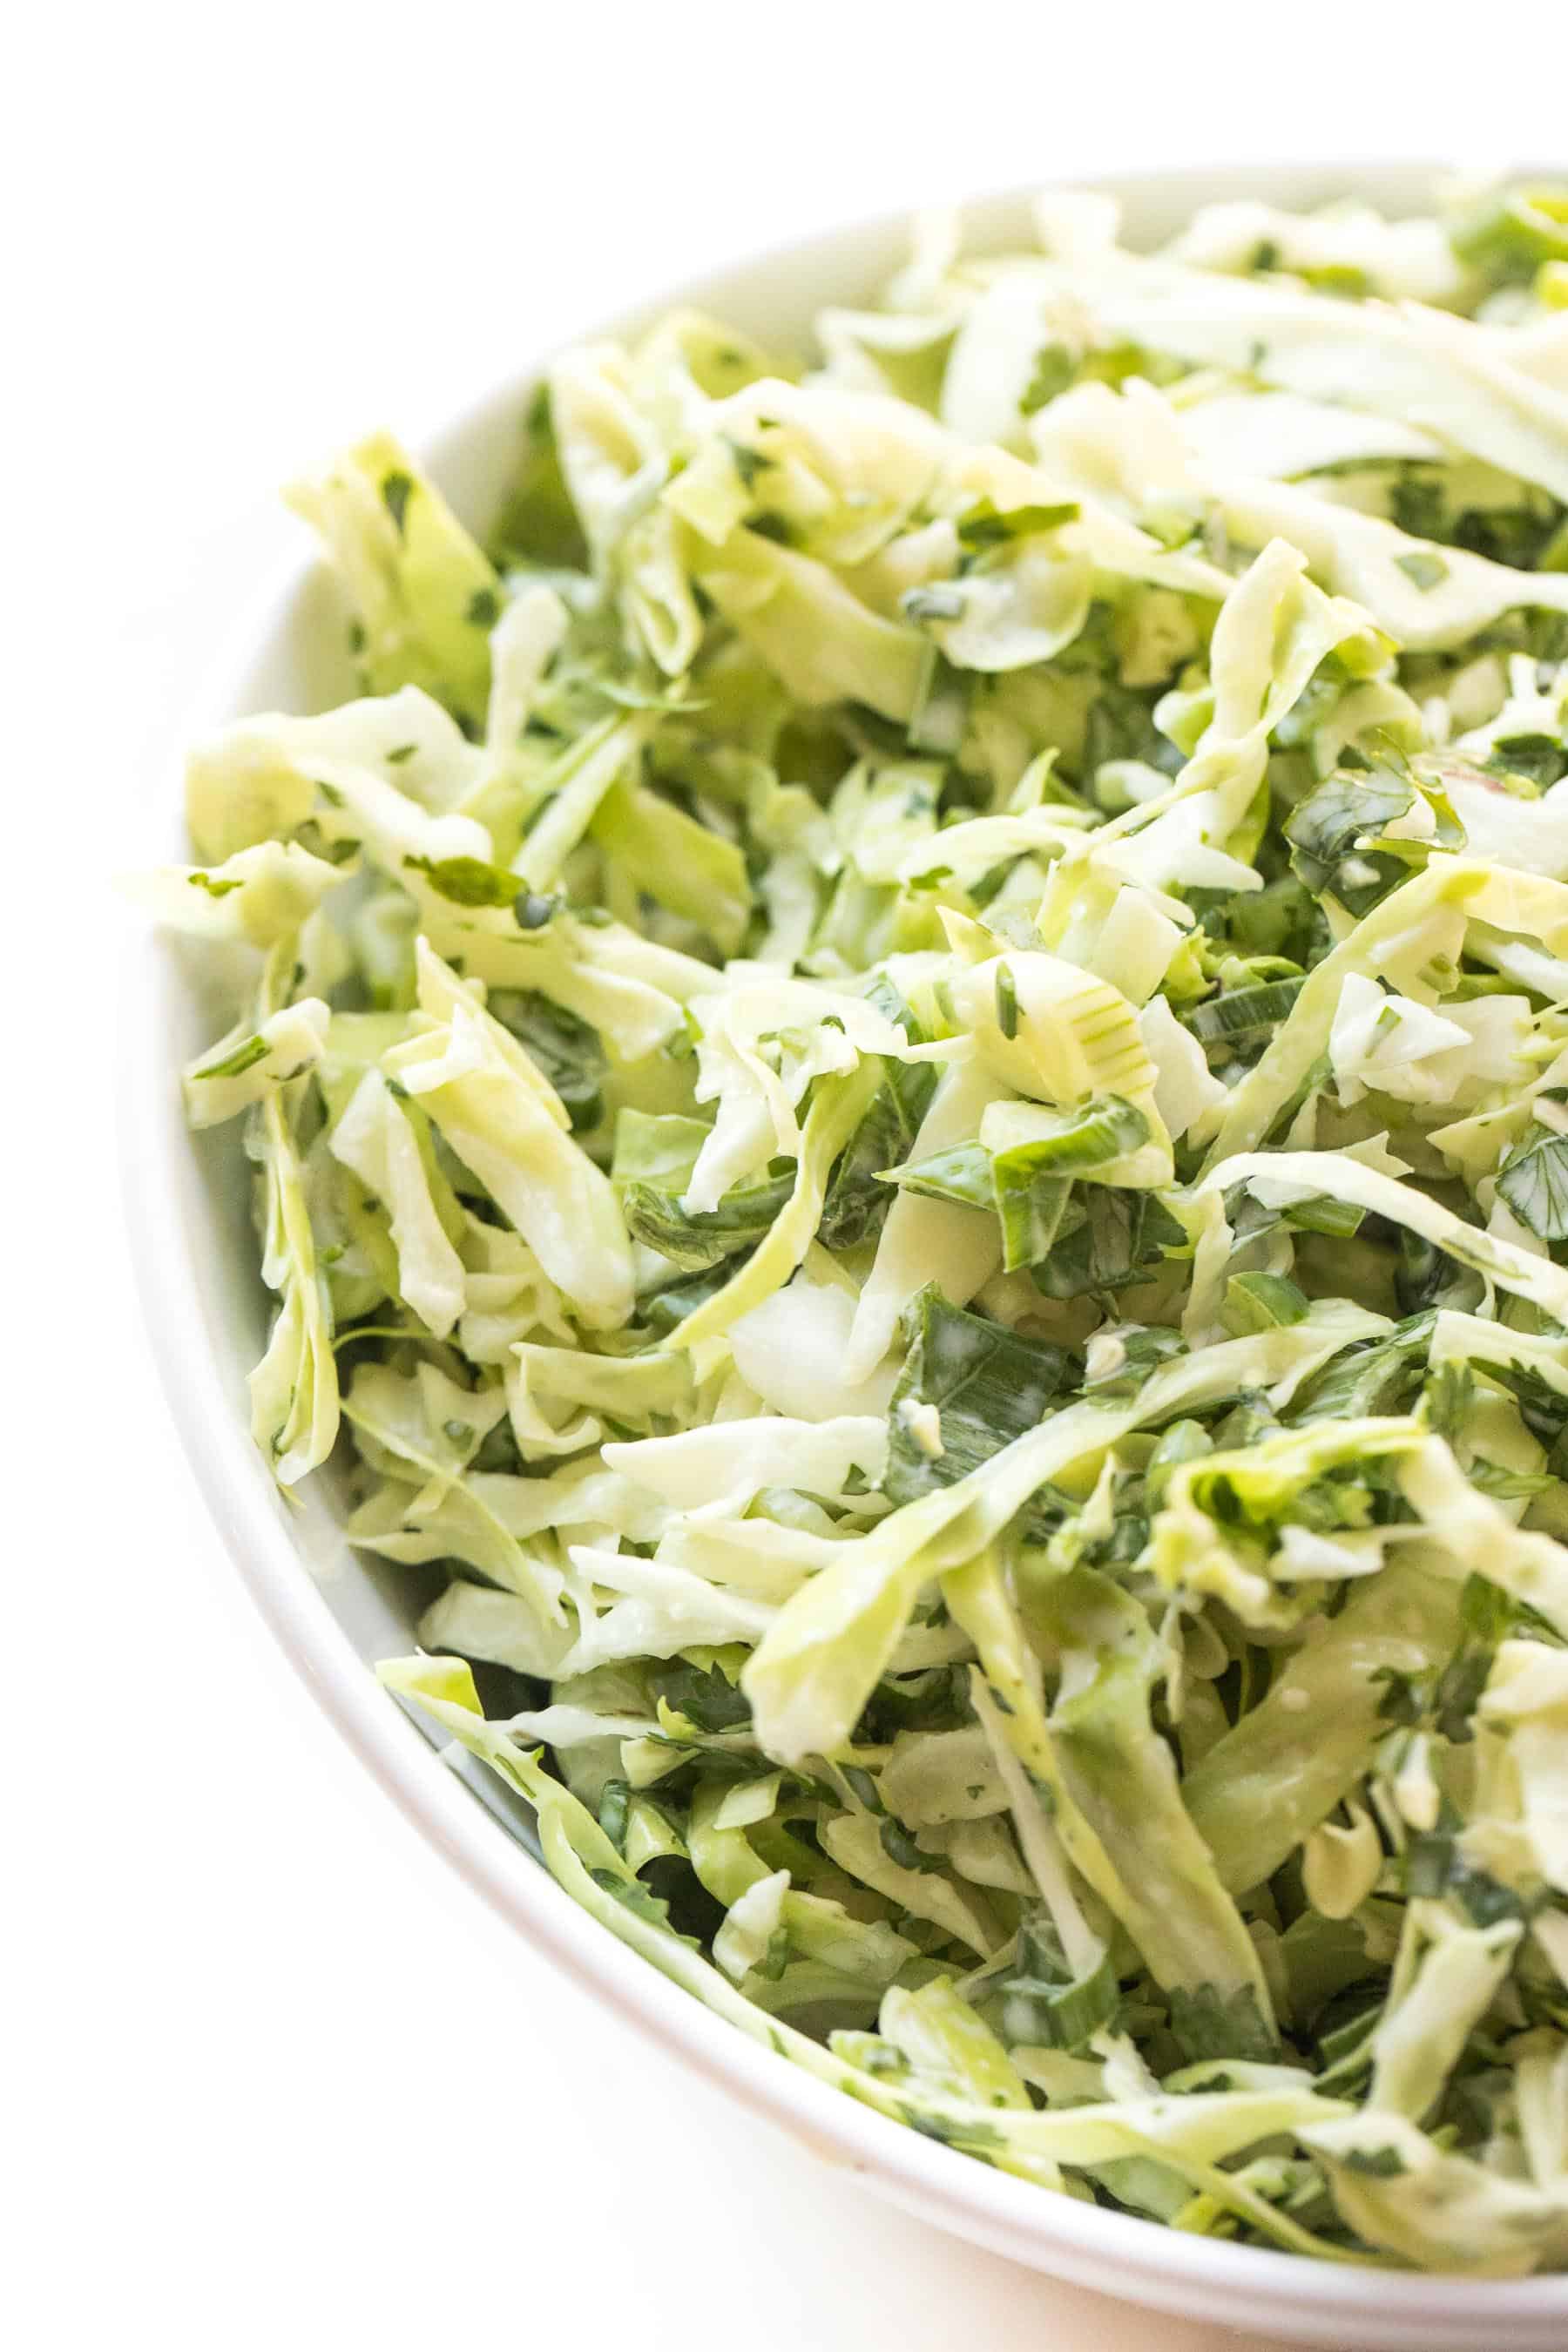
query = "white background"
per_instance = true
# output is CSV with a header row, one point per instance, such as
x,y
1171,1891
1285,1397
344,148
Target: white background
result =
x,y
274,2075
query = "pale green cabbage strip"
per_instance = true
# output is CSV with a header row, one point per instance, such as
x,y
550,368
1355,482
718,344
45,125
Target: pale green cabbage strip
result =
x,y
906,1076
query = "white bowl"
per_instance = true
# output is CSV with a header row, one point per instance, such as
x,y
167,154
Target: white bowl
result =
x,y
335,1612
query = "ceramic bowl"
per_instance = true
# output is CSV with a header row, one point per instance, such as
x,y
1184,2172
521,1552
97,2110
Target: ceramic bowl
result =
x,y
336,1612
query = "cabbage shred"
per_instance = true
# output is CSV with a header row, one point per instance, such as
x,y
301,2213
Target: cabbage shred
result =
x,y
907,1075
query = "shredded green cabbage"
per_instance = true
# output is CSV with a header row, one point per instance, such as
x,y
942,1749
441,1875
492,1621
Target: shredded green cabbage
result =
x,y
907,1074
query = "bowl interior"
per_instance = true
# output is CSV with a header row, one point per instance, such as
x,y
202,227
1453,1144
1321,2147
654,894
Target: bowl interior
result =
x,y
339,1610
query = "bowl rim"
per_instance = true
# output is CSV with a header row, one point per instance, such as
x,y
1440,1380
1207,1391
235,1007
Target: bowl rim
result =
x,y
1089,2245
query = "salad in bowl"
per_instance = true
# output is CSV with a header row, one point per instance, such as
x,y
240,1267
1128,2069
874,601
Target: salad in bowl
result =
x,y
905,1072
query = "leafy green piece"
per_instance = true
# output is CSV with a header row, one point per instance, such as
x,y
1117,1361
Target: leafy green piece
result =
x,y
1071,1142
570,1054
1380,1375
1241,1015
1261,1302
467,881
1106,1240
1329,830
983,525
1054,370
693,1240
962,1174
1533,1181
986,1385
1044,2004
1032,1202
857,1198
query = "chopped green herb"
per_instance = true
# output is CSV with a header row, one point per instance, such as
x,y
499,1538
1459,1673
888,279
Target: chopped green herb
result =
x,y
395,491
